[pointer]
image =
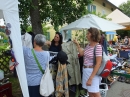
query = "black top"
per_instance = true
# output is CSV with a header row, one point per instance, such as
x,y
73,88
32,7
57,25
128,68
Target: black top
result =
x,y
55,48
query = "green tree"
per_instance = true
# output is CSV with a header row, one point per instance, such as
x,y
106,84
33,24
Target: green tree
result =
x,y
125,8
59,12
44,29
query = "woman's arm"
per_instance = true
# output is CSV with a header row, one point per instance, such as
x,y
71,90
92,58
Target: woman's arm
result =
x,y
97,65
48,43
80,50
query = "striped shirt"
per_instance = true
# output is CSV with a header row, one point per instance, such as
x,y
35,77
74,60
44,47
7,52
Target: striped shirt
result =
x,y
88,54
33,73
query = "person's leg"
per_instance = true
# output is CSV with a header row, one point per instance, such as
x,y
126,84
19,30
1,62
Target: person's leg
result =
x,y
94,88
34,91
94,94
91,94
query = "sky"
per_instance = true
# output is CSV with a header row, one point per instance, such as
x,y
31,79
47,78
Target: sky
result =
x,y
117,2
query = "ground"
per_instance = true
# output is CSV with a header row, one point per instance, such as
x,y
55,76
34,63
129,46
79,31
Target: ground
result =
x,y
16,90
118,89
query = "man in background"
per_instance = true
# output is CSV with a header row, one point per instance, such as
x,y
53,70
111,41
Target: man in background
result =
x,y
115,40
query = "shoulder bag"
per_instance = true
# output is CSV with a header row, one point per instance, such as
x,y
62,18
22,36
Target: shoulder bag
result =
x,y
46,84
106,64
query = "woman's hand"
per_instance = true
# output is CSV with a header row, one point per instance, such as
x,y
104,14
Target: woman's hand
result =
x,y
89,82
76,42
48,43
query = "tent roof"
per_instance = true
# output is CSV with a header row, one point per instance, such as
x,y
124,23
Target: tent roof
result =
x,y
1,14
10,12
118,17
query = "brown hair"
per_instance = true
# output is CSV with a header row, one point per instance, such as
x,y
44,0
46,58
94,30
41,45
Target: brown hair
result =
x,y
95,34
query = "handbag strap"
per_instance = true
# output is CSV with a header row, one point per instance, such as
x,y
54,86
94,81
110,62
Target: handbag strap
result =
x,y
94,54
40,67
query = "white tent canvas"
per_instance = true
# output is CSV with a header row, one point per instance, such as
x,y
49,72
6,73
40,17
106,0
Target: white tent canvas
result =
x,y
1,14
91,20
118,17
9,11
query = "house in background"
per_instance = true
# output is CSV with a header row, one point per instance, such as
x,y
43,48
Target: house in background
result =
x,y
101,6
104,7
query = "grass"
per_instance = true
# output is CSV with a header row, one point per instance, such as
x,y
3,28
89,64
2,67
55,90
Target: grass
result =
x,y
16,90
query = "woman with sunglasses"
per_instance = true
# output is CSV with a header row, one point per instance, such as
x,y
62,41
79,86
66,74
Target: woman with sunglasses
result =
x,y
55,44
90,80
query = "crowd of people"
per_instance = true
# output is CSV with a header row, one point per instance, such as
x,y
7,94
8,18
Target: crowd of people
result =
x,y
90,81
117,39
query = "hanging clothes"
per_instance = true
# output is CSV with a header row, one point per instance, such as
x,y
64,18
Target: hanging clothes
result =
x,y
27,40
73,68
103,42
62,89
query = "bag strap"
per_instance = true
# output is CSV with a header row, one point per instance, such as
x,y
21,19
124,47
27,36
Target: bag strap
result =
x,y
40,67
94,54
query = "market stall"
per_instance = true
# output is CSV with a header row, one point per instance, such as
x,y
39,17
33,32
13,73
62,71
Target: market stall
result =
x,y
88,21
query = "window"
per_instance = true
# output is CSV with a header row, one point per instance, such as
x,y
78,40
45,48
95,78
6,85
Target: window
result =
x,y
103,12
91,8
112,9
103,4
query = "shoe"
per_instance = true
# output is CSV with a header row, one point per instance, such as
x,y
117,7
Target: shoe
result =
x,y
123,79
119,79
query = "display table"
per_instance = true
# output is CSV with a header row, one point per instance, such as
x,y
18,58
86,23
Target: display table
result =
x,y
125,48
121,74
6,90
124,54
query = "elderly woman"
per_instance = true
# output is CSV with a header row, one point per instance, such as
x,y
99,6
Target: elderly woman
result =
x,y
33,72
90,80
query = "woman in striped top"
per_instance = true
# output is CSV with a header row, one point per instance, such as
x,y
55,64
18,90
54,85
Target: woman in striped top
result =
x,y
33,72
90,80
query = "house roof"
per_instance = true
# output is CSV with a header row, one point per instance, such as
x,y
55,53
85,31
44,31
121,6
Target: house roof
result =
x,y
118,17
111,4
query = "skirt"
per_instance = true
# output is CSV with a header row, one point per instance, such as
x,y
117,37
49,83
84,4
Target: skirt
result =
x,y
94,88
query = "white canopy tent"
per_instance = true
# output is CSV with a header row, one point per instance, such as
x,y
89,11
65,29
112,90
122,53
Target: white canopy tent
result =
x,y
9,11
118,17
91,20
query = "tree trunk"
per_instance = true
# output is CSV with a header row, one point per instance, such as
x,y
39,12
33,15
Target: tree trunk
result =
x,y
35,18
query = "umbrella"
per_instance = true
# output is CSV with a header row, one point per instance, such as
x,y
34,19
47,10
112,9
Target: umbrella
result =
x,y
91,20
111,33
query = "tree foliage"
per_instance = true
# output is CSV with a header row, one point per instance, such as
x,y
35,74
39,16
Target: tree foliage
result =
x,y
125,7
44,28
58,11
